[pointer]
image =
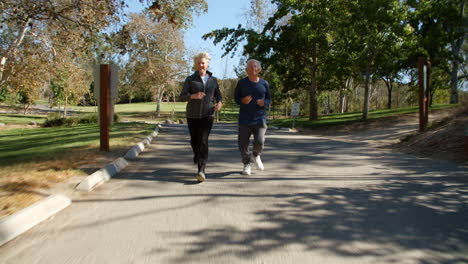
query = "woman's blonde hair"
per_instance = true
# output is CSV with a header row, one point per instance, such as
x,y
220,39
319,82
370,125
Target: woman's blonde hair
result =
x,y
201,55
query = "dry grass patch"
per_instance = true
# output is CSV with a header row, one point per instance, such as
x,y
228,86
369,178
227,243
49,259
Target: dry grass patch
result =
x,y
23,184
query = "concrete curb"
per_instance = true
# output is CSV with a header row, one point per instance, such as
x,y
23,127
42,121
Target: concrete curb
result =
x,y
138,148
116,166
21,221
102,175
18,223
135,151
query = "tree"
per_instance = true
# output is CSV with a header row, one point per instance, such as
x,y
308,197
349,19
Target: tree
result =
x,y
457,27
30,74
157,53
377,26
441,28
76,21
71,25
293,42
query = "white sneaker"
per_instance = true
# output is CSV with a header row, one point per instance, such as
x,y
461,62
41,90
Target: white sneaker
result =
x,y
200,176
258,163
246,170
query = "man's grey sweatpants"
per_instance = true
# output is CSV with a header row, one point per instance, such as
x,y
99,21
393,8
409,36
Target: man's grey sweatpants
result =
x,y
243,141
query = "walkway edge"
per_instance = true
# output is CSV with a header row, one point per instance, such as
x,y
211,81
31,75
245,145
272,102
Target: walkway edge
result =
x,y
116,166
102,175
18,223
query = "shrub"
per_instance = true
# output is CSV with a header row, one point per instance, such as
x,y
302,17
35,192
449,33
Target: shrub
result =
x,y
56,120
89,119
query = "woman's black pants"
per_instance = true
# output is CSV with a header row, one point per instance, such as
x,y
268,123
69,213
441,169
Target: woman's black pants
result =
x,y
199,131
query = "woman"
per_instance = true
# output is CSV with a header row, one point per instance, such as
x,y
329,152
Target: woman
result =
x,y
253,95
201,90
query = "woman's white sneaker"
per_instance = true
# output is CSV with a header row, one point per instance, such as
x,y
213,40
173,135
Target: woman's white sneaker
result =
x,y
200,176
247,169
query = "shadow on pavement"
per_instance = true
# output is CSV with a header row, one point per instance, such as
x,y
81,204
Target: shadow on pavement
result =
x,y
403,210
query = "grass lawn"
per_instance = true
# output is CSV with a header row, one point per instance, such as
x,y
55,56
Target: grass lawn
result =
x,y
349,118
137,107
24,145
21,119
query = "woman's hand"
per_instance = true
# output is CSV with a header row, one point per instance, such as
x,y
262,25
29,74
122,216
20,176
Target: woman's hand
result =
x,y
218,106
198,95
261,102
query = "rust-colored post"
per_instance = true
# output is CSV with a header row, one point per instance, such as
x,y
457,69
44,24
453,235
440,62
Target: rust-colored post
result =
x,y
104,106
466,142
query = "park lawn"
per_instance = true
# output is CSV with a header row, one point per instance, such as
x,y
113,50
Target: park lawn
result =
x,y
146,111
32,159
141,111
137,107
349,118
21,119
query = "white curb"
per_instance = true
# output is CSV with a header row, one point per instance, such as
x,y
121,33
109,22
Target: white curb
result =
x,y
102,175
135,151
21,221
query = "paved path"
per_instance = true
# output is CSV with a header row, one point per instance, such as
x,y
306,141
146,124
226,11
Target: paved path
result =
x,y
319,200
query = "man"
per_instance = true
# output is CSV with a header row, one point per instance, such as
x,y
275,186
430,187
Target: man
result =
x,y
253,95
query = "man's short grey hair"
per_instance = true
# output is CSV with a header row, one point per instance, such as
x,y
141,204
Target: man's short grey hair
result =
x,y
256,61
201,55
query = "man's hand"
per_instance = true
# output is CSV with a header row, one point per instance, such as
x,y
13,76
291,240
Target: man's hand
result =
x,y
246,99
261,102
198,95
218,106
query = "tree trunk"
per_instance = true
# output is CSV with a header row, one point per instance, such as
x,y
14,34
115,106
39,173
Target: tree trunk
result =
x,y
454,81
158,107
346,104
313,114
342,99
365,111
159,96
388,82
26,107
65,107
456,46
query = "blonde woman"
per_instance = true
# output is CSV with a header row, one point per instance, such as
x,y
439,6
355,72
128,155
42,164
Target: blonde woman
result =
x,y
201,90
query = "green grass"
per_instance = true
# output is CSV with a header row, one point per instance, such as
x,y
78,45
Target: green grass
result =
x,y
24,145
137,107
349,118
20,119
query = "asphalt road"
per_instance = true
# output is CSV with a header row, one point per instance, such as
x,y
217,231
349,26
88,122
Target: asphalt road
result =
x,y
320,199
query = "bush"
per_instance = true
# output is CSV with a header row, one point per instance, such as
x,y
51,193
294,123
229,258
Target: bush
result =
x,y
56,120
89,119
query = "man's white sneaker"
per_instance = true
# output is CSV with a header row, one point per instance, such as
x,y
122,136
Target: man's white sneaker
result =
x,y
258,163
246,170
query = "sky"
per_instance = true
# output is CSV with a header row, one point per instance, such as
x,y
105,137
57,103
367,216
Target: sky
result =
x,y
221,13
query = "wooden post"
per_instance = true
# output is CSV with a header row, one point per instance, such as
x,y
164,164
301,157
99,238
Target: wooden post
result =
x,y
424,80
104,106
466,143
